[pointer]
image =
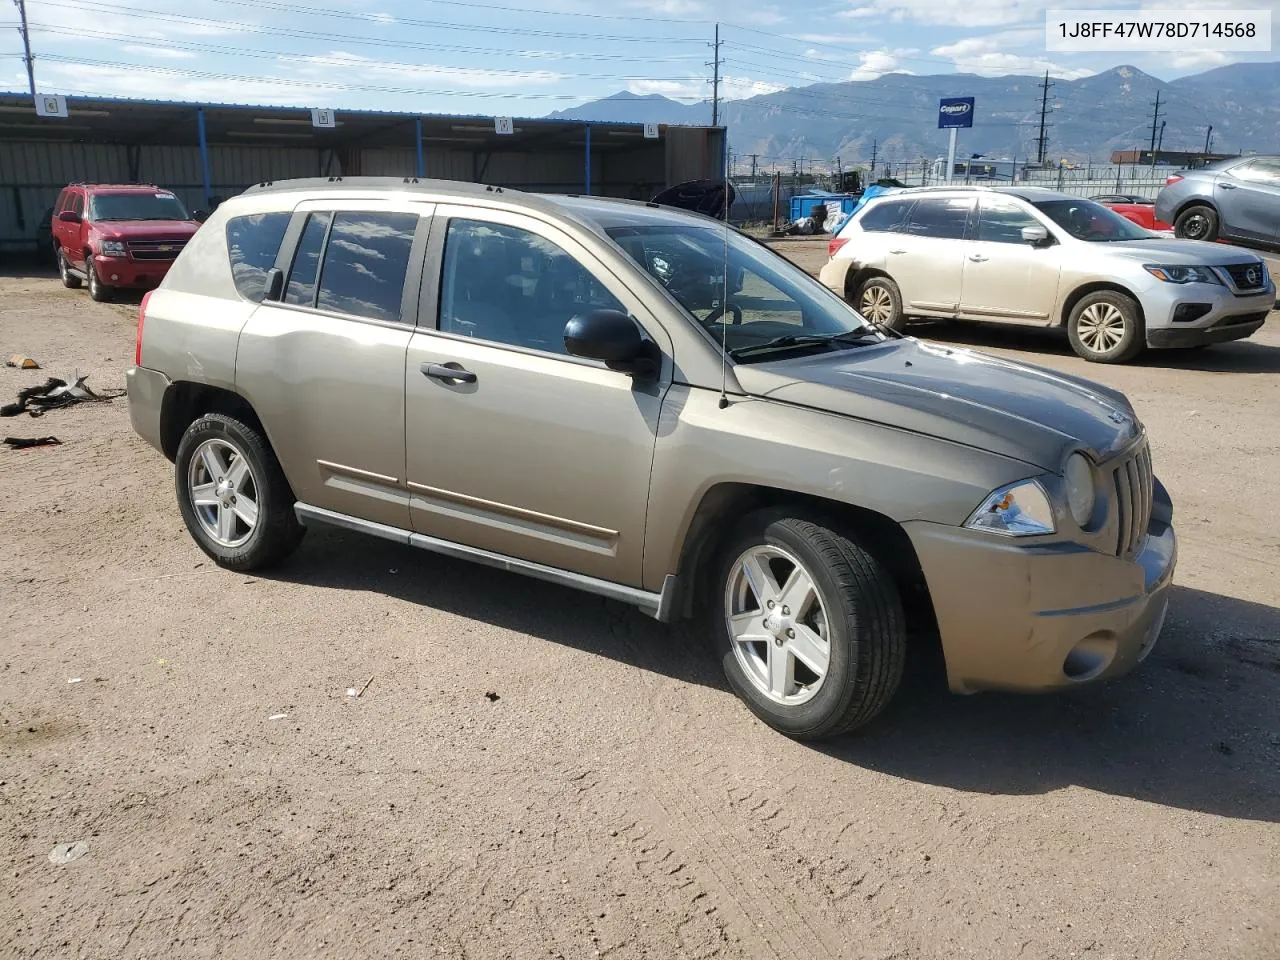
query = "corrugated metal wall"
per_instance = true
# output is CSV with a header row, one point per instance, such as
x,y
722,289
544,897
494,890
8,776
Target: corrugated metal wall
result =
x,y
32,173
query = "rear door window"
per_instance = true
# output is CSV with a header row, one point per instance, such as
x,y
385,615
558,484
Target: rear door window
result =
x,y
886,217
253,243
940,218
365,263
301,290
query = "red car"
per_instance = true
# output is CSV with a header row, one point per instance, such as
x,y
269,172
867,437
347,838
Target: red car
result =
x,y
114,236
1138,209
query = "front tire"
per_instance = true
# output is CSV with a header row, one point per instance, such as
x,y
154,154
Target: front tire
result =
x,y
234,497
880,301
808,624
1106,327
69,280
98,290
1197,222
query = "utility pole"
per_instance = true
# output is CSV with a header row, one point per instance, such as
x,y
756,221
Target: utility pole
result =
x,y
874,145
1042,141
753,165
1159,144
27,58
715,81
1155,124
1208,140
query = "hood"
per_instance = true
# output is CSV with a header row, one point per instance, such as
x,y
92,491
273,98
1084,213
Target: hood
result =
x,y
145,229
1016,410
1178,252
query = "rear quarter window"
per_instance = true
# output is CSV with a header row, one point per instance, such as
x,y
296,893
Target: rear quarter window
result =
x,y
253,243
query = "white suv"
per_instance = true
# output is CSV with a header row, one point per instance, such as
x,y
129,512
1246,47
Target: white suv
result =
x,y
1032,256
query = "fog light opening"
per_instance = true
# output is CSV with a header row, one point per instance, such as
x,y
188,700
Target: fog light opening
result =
x,y
115,276
1190,312
1090,657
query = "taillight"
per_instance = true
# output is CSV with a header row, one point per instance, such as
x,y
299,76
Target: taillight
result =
x,y
1171,180
835,244
142,319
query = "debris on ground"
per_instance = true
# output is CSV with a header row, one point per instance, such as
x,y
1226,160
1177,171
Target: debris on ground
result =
x,y
356,693
21,362
65,853
23,443
492,697
278,716
55,393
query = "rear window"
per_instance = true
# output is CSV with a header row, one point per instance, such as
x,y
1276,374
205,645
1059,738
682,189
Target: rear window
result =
x,y
253,243
160,205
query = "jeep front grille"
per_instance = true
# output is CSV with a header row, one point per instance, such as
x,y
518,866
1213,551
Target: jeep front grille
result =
x,y
1135,485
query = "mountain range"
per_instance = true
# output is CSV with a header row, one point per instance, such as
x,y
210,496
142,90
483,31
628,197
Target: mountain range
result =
x,y
896,113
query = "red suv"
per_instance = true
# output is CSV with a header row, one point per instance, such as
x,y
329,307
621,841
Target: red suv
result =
x,y
118,236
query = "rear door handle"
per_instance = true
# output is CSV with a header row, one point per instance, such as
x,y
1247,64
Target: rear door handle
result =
x,y
978,258
447,372
897,251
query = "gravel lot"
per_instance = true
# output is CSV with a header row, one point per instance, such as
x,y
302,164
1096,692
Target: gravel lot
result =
x,y
534,773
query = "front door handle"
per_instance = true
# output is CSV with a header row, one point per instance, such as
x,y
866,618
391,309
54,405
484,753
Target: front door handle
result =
x,y
447,372
1227,186
978,258
897,251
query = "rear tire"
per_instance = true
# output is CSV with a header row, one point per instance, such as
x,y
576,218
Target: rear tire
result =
x,y
880,301
1106,327
1198,222
98,290
234,497
808,624
69,280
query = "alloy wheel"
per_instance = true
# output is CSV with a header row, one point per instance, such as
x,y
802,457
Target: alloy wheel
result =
x,y
876,305
223,492
777,624
1101,327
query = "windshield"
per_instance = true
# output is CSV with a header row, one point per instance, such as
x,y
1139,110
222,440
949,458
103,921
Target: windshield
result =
x,y
137,206
772,306
1087,220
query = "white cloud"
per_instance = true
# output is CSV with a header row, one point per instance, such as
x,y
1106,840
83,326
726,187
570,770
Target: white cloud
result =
x,y
691,89
739,88
765,16
157,52
877,63
1200,60
972,13
99,81
669,8
1003,64
368,67
833,38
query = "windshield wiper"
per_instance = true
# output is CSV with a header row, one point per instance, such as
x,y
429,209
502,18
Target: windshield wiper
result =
x,y
789,341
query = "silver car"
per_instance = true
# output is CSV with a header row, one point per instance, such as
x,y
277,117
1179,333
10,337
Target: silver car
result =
x,y
1037,257
1235,199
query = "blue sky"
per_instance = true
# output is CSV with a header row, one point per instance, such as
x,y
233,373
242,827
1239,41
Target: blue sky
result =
x,y
529,57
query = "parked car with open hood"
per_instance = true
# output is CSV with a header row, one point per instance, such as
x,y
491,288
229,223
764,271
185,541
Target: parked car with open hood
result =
x,y
645,404
1031,256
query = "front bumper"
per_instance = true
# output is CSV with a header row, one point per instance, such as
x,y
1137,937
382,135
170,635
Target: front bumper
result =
x,y
1042,617
1219,314
125,272
146,390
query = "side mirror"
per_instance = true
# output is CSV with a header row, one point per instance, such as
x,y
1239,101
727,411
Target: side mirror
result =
x,y
613,337
1036,236
200,216
69,216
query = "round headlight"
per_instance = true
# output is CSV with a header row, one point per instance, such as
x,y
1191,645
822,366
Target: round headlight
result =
x,y
1080,492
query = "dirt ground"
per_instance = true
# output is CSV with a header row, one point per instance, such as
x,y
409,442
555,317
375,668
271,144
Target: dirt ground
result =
x,y
534,773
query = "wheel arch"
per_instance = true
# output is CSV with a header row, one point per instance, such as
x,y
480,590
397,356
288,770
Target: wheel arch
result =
x,y
1099,286
715,520
857,276
186,401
